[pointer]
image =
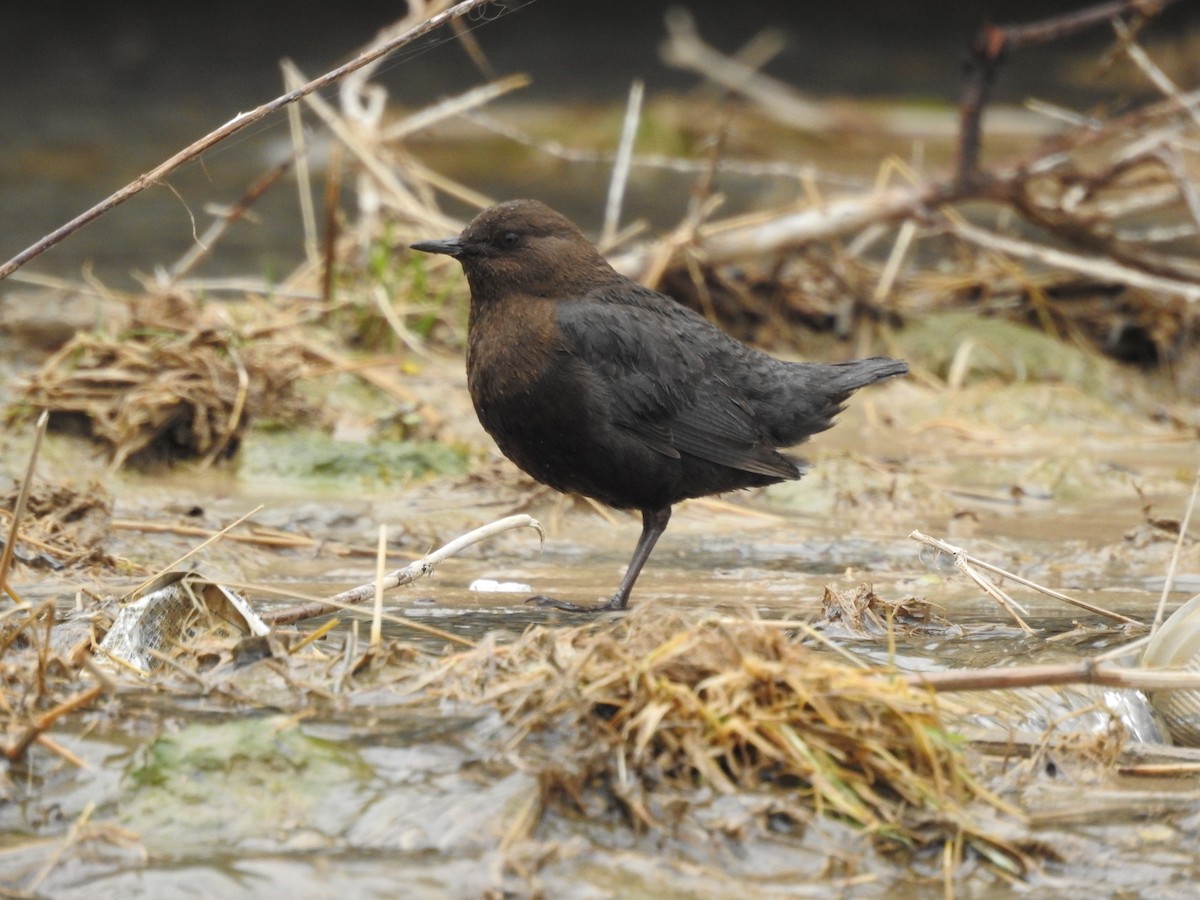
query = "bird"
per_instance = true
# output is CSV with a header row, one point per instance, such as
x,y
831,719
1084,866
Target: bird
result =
x,y
595,384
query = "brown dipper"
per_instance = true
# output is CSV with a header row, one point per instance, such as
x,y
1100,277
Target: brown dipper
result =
x,y
596,385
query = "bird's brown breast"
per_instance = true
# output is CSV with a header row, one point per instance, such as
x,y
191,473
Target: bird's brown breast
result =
x,y
550,414
508,344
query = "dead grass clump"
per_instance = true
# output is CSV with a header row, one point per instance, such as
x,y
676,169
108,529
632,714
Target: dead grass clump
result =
x,y
657,706
61,525
186,395
862,611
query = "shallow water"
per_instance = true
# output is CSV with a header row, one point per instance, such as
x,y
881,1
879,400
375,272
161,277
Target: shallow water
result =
x,y
196,793
238,797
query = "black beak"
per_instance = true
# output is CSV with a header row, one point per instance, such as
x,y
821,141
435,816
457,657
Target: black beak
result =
x,y
450,246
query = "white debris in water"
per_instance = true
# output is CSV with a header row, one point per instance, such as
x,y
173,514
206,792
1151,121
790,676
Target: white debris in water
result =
x,y
499,587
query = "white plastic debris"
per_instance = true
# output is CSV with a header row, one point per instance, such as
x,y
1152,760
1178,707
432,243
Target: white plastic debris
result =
x,y
172,608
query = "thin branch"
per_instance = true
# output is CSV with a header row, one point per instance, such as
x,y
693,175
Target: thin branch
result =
x,y
962,557
684,49
757,235
458,105
1094,266
10,546
410,573
1156,75
1084,672
220,534
203,244
233,126
620,174
990,48
1169,581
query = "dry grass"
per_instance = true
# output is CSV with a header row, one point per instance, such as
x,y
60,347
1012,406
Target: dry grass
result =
x,y
62,525
174,395
639,719
641,713
862,611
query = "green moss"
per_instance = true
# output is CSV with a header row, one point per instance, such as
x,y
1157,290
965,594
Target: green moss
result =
x,y
317,459
231,782
990,349
430,309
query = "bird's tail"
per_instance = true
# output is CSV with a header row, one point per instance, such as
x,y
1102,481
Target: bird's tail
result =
x,y
848,377
805,398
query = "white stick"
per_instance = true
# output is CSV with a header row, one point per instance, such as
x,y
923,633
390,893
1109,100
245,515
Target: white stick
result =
x,y
620,175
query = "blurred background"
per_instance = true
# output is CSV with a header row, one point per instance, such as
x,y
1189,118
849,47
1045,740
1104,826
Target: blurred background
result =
x,y
94,95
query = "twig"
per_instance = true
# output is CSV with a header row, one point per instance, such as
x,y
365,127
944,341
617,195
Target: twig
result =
x,y
620,173
383,174
684,49
220,534
10,547
1160,770
993,590
383,303
1188,103
71,837
315,635
410,573
260,538
458,105
758,235
380,570
233,126
962,558
991,46
1187,188
1086,671
1169,582
473,49
48,743
1094,266
1156,75
308,216
887,278
333,190
203,245
15,748
403,621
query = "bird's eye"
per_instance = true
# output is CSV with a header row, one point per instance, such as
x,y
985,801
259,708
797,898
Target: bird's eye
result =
x,y
510,239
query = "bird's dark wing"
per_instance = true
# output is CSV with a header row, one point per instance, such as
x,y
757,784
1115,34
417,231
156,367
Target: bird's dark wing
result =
x,y
649,360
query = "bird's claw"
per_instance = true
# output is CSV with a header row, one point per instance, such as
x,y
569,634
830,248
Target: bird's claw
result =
x,y
614,603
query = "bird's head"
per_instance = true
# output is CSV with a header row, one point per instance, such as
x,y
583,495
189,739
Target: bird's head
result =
x,y
525,247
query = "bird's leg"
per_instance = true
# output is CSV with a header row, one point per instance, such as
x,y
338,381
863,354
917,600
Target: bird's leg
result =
x,y
654,523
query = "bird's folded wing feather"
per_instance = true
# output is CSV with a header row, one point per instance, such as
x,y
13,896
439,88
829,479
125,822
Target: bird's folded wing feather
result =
x,y
660,387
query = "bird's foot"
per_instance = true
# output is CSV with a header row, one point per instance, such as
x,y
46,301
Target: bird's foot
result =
x,y
614,603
